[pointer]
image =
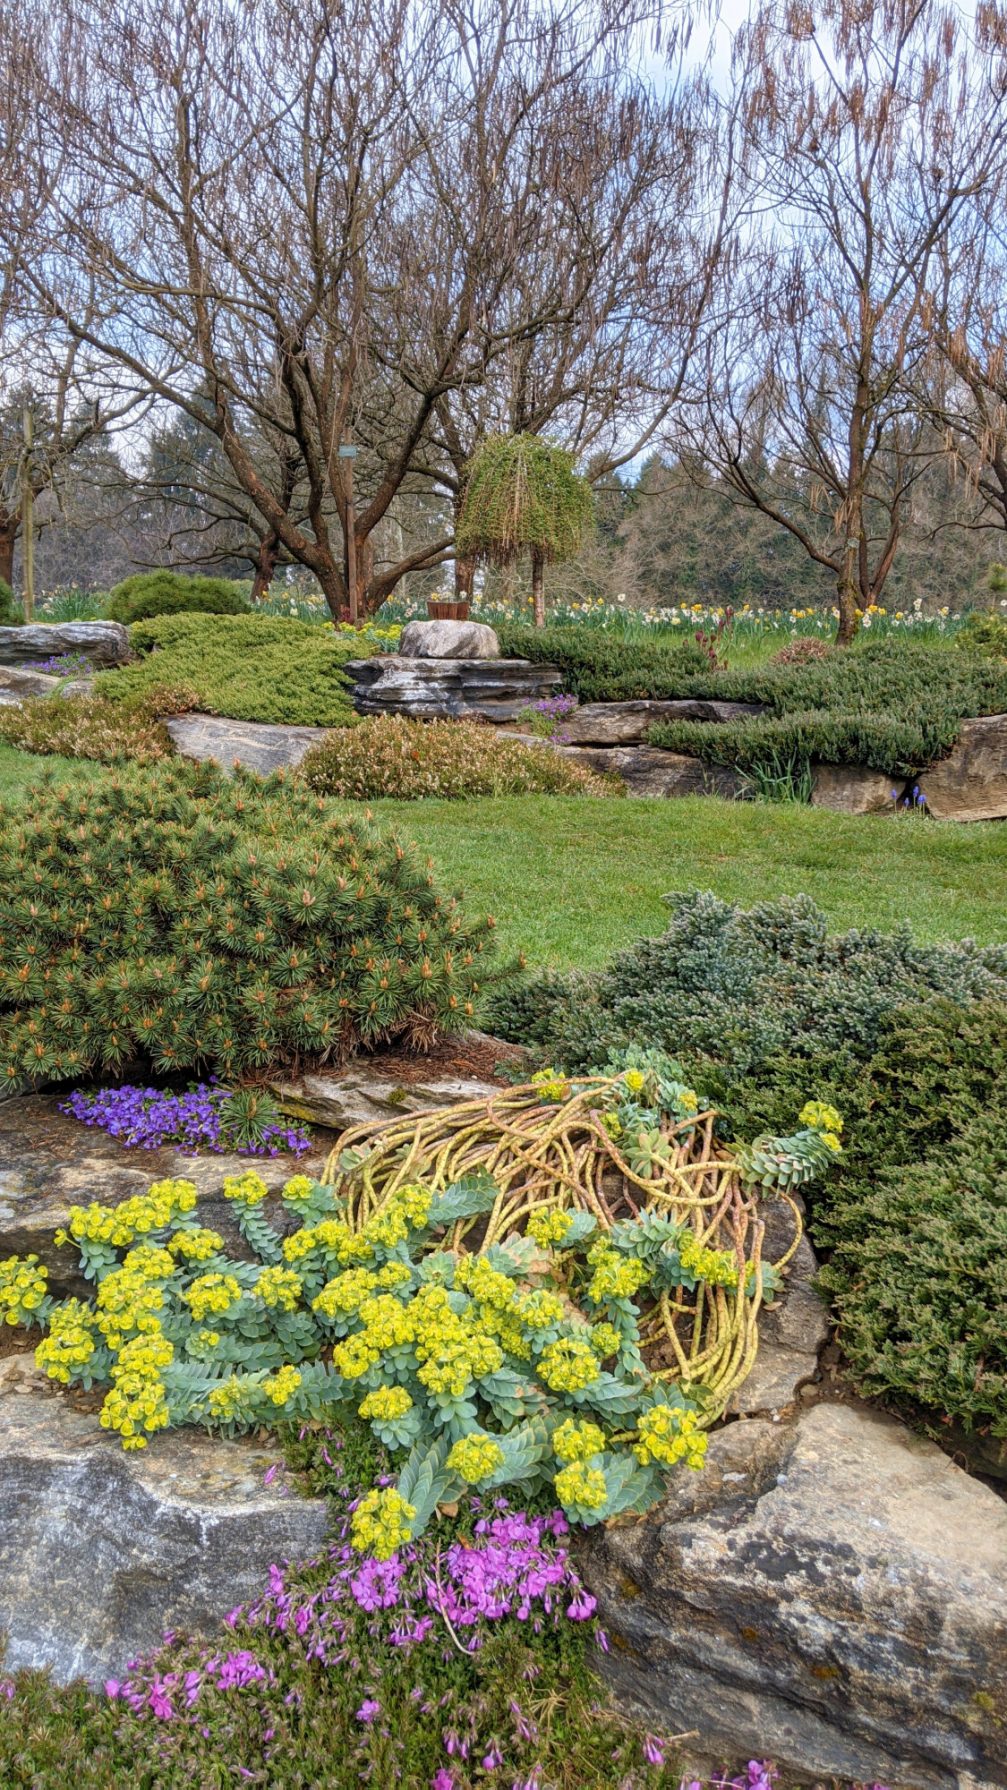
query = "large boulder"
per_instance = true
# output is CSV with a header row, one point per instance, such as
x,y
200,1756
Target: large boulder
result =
x,y
648,771
448,640
437,689
971,783
854,789
102,1551
261,746
830,1593
104,643
628,723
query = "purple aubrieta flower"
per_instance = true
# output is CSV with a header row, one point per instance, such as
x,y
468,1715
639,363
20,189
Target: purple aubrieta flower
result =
x,y
148,1118
369,1708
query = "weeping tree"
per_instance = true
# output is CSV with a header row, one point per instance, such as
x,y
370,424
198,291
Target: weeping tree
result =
x,y
522,495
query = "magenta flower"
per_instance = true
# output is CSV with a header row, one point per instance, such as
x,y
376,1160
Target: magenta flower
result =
x,y
369,1708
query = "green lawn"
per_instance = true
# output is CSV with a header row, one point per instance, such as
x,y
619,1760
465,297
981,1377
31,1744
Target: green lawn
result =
x,y
571,878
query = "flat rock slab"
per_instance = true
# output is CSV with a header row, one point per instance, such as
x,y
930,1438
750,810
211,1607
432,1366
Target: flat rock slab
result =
x,y
855,789
104,643
102,1551
49,1162
971,783
439,689
448,640
628,723
831,1594
260,746
357,1096
648,771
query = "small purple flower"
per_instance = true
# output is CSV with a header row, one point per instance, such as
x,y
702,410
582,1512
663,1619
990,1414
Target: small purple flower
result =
x,y
653,1751
369,1708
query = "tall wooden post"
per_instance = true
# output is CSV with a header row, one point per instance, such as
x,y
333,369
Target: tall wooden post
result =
x,y
348,453
28,517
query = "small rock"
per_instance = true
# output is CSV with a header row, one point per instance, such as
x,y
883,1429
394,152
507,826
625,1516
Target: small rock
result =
x,y
260,746
628,723
17,682
104,643
971,783
448,640
102,1551
854,789
647,771
357,1096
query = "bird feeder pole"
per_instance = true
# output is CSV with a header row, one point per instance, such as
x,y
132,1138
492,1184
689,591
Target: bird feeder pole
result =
x,y
28,516
348,452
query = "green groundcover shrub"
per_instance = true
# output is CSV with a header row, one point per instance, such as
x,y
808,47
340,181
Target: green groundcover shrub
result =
x,y
598,668
10,613
250,667
174,917
168,593
895,705
762,1010
392,756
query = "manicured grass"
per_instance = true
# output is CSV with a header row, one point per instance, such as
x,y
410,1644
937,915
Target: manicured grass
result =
x,y
570,879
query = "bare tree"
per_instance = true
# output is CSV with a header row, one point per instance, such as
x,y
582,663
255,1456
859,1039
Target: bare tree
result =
x,y
872,128
332,218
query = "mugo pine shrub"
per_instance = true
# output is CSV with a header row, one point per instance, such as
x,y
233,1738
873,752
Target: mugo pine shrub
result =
x,y
178,919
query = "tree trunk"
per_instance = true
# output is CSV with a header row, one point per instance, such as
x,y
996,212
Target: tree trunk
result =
x,y
8,536
265,566
465,570
847,593
538,589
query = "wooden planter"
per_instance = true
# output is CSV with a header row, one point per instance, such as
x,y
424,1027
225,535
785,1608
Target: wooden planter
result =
x,y
439,611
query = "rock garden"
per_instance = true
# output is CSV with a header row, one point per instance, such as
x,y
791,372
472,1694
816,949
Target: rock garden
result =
x,y
489,1359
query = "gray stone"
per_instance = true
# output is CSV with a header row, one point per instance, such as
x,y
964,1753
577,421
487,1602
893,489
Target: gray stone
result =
x,y
628,723
436,689
647,771
831,1594
448,640
104,643
357,1096
102,1551
971,783
260,746
18,682
854,789
49,1162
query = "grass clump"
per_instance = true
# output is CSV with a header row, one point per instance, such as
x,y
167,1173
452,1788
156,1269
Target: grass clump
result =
x,y
395,757
172,917
248,667
170,593
893,705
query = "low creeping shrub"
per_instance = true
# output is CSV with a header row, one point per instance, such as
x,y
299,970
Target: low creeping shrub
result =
x,y
169,593
895,705
598,667
725,989
467,1320
392,756
173,917
249,667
